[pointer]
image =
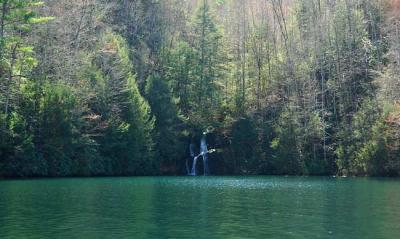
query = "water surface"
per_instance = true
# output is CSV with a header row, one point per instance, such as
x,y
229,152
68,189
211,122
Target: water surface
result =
x,y
200,207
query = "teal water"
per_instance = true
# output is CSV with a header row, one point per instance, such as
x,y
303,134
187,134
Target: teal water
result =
x,y
201,207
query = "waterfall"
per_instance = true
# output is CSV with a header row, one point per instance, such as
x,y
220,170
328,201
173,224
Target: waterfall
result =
x,y
203,153
193,173
192,155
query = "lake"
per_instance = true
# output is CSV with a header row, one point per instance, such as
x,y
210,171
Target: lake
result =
x,y
200,207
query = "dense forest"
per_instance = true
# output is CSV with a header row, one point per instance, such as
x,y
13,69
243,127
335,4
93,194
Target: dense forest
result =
x,y
122,87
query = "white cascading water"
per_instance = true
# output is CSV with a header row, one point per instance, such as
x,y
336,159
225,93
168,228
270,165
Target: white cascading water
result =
x,y
204,153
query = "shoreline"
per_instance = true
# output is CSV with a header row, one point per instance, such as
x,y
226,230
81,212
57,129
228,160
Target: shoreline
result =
x,y
200,176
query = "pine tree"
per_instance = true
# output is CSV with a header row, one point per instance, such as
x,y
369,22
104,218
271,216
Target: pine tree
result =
x,y
17,60
127,141
209,70
168,123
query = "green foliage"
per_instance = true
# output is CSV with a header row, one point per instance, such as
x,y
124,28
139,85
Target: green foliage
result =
x,y
245,153
287,158
127,141
18,156
168,123
123,88
57,126
178,64
208,62
363,150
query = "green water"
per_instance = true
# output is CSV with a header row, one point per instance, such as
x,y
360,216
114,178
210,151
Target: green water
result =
x,y
200,207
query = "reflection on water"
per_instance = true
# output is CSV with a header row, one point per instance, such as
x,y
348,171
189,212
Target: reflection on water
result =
x,y
201,207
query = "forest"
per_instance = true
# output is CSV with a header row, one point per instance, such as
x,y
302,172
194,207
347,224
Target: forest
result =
x,y
123,87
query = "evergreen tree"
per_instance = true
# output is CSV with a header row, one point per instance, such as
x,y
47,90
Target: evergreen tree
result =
x,y
168,123
17,59
127,141
207,43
